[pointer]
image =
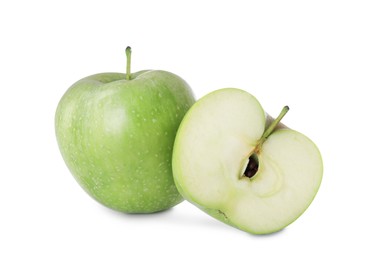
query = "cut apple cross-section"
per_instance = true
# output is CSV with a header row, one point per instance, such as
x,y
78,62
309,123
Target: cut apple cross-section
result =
x,y
240,166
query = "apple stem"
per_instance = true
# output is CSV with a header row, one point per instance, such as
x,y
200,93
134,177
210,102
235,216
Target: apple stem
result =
x,y
128,67
272,127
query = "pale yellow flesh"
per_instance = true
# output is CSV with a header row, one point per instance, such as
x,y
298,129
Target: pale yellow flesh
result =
x,y
210,155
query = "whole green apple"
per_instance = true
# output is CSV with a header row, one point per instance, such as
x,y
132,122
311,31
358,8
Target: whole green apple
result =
x,y
116,133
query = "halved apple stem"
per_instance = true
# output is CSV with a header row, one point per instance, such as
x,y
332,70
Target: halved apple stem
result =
x,y
271,128
253,161
128,67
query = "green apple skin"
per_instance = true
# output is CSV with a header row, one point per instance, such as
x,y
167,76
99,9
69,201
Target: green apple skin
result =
x,y
116,137
214,140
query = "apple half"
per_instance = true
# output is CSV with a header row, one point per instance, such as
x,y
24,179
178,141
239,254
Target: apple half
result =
x,y
243,167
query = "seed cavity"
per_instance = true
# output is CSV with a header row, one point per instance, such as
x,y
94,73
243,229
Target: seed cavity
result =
x,y
252,166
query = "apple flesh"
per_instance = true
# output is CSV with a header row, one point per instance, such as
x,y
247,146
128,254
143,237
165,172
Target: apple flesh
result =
x,y
116,133
229,163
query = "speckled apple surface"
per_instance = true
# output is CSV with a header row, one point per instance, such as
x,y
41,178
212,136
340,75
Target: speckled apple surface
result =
x,y
116,137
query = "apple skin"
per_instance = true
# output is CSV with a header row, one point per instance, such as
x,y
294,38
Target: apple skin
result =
x,y
116,137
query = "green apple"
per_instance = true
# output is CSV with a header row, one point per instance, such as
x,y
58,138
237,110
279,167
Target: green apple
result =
x,y
116,133
242,167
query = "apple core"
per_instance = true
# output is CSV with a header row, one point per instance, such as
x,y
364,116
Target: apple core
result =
x,y
253,161
252,167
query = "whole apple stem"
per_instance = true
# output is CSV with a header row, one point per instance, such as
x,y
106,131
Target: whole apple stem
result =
x,y
128,67
272,127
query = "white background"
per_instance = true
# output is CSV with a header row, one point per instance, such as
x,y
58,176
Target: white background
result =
x,y
310,55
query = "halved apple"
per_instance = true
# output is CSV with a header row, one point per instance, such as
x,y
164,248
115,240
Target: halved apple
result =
x,y
242,167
